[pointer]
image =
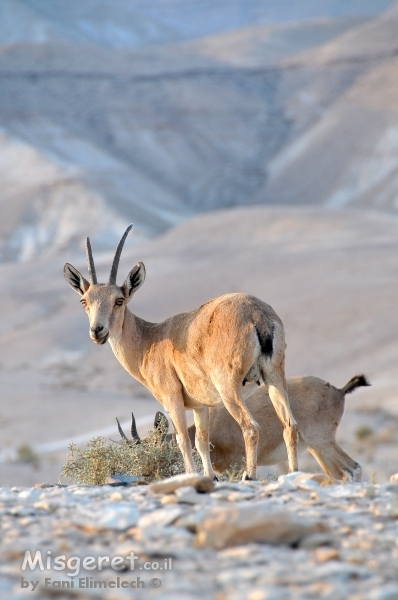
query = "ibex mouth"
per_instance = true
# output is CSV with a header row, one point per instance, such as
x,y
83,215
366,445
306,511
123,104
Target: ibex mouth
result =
x,y
100,340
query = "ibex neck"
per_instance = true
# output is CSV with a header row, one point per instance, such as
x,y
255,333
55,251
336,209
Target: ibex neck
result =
x,y
128,346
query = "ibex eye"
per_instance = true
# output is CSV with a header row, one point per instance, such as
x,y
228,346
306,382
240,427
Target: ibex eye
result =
x,y
119,302
83,303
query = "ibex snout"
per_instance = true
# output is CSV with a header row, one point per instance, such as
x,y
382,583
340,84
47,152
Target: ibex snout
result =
x,y
99,334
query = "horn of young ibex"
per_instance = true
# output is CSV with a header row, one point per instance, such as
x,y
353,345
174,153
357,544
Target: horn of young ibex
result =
x,y
115,264
134,434
122,434
90,262
161,423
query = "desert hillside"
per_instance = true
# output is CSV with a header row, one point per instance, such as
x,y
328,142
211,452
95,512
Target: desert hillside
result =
x,y
153,113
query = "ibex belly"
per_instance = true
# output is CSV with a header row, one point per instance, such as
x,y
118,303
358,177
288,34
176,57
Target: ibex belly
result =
x,y
202,394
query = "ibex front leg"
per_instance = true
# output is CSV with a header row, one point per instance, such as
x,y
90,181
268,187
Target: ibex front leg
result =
x,y
201,418
335,461
175,408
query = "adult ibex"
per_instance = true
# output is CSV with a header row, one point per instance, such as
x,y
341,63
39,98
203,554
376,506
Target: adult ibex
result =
x,y
318,408
194,360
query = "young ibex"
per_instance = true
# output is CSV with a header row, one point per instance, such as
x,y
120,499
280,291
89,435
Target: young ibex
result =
x,y
195,360
317,407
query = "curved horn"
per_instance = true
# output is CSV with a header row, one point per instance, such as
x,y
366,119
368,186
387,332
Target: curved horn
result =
x,y
134,432
161,424
90,262
115,265
121,432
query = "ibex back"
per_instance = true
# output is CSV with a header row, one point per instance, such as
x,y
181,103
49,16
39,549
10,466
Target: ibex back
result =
x,y
194,360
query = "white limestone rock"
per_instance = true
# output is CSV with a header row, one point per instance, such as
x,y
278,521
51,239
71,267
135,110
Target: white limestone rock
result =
x,y
201,483
253,522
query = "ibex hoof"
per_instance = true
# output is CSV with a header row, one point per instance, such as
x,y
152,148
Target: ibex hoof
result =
x,y
246,477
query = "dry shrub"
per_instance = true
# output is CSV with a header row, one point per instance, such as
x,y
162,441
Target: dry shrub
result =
x,y
152,459
26,454
363,432
233,474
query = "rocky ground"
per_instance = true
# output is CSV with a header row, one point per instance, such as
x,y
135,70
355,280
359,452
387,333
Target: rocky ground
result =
x,y
302,536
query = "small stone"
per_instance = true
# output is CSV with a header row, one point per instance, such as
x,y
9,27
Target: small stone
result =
x,y
47,506
201,483
325,554
345,530
394,478
188,495
41,486
308,481
229,496
291,477
115,497
31,494
168,499
347,490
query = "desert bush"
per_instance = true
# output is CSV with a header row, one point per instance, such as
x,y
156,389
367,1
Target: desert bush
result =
x,y
234,473
363,432
26,454
151,459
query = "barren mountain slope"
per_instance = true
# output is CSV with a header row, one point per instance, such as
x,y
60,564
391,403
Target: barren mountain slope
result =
x,y
159,132
349,156
330,275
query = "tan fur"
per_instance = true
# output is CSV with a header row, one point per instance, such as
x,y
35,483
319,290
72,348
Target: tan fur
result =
x,y
317,407
195,360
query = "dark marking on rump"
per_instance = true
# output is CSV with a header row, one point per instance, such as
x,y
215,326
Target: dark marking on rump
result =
x,y
266,340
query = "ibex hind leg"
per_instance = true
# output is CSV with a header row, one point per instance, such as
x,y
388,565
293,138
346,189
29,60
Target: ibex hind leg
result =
x,y
249,427
274,379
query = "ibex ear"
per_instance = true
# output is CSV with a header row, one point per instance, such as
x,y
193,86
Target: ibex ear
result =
x,y
134,280
75,279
